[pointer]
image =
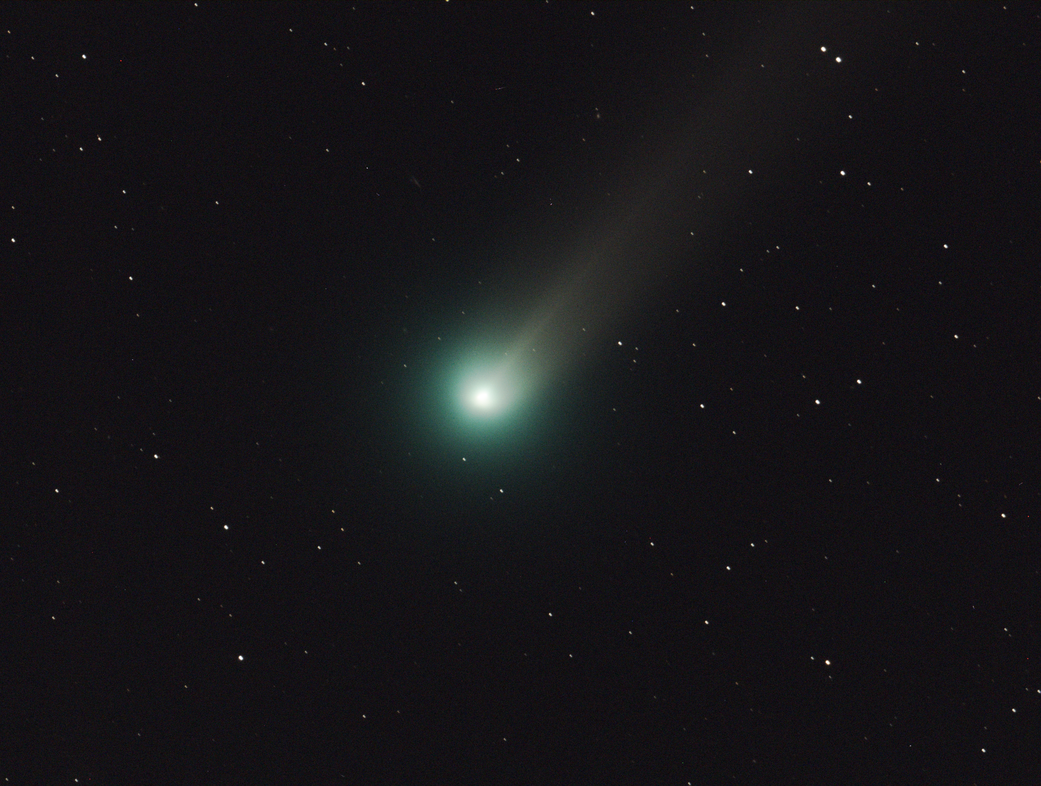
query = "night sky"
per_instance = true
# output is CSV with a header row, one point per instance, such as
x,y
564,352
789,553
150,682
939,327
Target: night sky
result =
x,y
520,393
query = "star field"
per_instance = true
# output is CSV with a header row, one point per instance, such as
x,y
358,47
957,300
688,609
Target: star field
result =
x,y
626,393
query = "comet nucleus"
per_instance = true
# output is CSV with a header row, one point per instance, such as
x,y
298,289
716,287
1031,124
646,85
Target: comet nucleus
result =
x,y
488,393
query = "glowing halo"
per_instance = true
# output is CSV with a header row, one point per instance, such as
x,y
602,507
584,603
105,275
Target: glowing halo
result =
x,y
488,393
483,398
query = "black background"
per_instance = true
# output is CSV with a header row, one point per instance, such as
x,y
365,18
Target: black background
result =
x,y
774,522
